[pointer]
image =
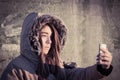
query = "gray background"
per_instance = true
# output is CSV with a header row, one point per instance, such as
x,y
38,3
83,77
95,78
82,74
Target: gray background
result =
x,y
89,22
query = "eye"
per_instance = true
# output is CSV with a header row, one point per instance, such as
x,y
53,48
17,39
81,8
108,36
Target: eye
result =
x,y
43,35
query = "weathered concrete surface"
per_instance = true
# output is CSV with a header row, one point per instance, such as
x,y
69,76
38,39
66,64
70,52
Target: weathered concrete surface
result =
x,y
89,22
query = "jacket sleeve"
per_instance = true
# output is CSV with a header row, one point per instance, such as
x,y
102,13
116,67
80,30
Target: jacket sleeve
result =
x,y
89,73
103,71
11,74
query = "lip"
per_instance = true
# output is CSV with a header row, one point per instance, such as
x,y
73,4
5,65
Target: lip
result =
x,y
47,47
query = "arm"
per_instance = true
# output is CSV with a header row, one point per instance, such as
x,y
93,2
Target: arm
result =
x,y
100,70
89,73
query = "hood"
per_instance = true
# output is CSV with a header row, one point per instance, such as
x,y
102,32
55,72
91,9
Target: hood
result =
x,y
25,46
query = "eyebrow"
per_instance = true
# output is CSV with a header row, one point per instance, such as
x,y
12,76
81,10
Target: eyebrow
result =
x,y
43,32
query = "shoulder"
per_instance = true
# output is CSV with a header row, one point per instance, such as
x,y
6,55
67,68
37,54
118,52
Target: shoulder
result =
x,y
18,63
10,72
16,68
22,62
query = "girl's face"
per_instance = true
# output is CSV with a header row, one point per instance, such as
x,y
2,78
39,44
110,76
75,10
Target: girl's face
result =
x,y
46,34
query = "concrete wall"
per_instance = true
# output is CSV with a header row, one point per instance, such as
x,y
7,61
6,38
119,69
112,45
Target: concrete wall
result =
x,y
89,22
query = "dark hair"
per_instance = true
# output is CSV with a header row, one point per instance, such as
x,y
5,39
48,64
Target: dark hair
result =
x,y
58,40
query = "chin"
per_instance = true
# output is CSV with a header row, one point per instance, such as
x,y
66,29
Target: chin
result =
x,y
46,52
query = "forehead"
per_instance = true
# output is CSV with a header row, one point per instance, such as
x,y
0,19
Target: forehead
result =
x,y
46,29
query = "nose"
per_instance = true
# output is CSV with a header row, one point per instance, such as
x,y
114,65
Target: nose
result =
x,y
48,41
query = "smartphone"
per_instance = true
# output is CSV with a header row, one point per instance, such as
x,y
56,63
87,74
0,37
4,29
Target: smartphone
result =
x,y
102,46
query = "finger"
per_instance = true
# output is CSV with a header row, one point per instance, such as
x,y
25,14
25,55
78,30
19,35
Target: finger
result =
x,y
107,59
103,62
100,57
97,59
104,59
100,54
105,55
105,51
101,51
100,62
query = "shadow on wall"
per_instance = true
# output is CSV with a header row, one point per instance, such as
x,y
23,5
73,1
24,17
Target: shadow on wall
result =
x,y
111,17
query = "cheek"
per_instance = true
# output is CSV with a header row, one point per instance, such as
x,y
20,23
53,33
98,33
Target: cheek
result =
x,y
43,41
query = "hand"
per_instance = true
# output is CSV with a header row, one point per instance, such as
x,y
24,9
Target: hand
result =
x,y
104,58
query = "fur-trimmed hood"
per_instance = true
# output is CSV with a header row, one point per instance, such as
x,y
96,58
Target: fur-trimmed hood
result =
x,y
25,46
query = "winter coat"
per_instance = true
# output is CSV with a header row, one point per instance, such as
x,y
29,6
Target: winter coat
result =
x,y
24,67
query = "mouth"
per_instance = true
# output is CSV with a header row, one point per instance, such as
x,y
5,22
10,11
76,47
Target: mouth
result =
x,y
47,47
